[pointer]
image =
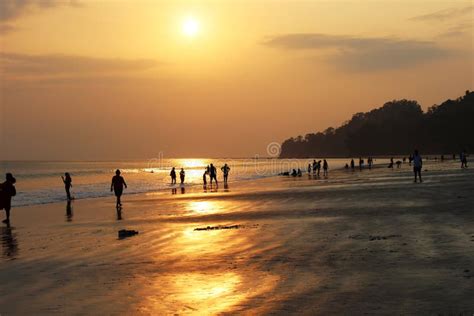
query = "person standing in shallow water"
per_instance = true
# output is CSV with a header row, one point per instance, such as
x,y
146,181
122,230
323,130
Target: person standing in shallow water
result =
x,y
213,173
325,168
204,176
181,175
417,165
7,191
225,170
67,184
118,183
352,164
173,175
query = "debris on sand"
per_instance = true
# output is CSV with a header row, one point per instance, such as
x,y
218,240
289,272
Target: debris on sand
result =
x,y
372,238
124,233
219,227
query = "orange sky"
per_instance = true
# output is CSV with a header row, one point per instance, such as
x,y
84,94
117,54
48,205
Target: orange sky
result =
x,y
119,79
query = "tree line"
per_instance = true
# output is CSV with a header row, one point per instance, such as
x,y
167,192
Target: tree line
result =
x,y
396,128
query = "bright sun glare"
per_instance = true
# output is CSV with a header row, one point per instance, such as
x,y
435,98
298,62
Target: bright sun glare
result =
x,y
190,27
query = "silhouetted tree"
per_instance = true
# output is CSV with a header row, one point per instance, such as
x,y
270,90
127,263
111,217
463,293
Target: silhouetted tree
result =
x,y
396,128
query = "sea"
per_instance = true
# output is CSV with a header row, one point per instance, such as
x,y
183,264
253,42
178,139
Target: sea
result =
x,y
39,182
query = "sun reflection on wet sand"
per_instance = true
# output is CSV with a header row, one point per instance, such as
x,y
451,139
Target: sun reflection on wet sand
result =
x,y
207,207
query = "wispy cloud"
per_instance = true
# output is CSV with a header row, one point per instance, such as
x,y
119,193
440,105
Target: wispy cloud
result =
x,y
23,65
445,14
6,28
362,53
11,9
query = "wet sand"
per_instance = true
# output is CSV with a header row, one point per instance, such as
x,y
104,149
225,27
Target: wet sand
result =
x,y
368,242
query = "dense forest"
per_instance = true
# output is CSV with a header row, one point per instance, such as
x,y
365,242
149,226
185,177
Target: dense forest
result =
x,y
397,128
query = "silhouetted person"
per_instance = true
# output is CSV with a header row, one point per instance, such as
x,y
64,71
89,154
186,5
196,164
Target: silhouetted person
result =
x,y
69,213
204,176
315,166
390,165
181,175
454,156
309,168
225,170
7,191
325,168
352,164
463,157
361,163
213,173
299,173
410,159
173,176
442,157
346,166
118,183
370,162
318,167
67,184
399,164
417,165
294,173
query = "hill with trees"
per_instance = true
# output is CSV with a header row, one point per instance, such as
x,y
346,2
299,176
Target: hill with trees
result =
x,y
396,128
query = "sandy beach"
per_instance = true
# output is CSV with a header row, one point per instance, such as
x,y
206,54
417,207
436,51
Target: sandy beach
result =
x,y
370,242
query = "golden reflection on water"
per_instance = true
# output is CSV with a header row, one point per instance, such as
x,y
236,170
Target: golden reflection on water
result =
x,y
205,207
207,271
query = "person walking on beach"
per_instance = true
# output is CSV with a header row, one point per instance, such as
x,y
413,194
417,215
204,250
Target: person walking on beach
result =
x,y
181,175
67,184
361,163
417,165
173,175
7,191
118,183
325,168
213,173
352,164
225,170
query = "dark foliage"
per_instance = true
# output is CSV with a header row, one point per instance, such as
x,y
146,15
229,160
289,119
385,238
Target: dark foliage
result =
x,y
394,129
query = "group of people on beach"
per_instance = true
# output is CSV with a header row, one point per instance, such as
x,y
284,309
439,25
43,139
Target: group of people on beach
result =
x,y
370,162
118,184
210,171
315,167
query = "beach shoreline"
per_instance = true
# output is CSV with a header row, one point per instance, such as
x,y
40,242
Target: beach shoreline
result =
x,y
358,242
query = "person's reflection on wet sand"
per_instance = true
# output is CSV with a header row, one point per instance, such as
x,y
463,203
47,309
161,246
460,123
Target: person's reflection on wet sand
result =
x,y
119,213
69,213
183,190
174,191
9,242
226,187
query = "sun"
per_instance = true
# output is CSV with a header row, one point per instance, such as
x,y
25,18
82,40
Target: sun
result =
x,y
190,27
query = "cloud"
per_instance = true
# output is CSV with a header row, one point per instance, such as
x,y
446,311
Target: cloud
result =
x,y
23,65
457,30
12,9
444,15
6,28
362,53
